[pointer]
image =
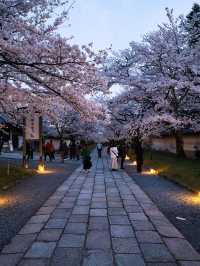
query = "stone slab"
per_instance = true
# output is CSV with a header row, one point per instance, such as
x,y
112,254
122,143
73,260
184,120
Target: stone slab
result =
x,y
129,260
98,223
98,258
71,241
142,225
41,250
189,263
34,262
148,237
125,245
78,218
98,240
10,259
76,228
19,244
138,216
39,218
66,257
181,249
98,212
156,253
31,229
123,231
56,223
49,235
119,220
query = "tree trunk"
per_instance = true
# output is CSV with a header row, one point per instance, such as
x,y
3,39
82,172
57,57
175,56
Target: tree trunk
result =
x,y
179,144
1,145
61,143
139,154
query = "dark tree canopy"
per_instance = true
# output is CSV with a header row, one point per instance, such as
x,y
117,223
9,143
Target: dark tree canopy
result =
x,y
193,24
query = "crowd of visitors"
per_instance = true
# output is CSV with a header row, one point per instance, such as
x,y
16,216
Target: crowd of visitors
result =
x,y
73,150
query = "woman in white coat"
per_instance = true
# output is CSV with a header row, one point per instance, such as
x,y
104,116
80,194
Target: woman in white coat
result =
x,y
114,157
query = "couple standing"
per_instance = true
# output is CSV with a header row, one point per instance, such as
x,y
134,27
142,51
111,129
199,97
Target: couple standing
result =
x,y
115,153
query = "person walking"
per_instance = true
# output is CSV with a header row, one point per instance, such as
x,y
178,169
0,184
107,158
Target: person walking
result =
x,y
85,153
52,150
108,148
29,150
47,150
99,149
72,150
63,147
78,151
114,157
44,149
122,154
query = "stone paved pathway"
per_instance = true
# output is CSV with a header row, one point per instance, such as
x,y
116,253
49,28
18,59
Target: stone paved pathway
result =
x,y
99,219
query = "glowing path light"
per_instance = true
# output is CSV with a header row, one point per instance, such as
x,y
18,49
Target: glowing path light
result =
x,y
41,168
3,201
151,172
188,198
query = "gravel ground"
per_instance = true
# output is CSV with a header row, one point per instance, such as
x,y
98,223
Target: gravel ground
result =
x,y
174,201
26,198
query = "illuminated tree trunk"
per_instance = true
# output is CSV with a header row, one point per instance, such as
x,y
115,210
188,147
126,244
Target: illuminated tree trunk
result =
x,y
138,153
179,144
1,144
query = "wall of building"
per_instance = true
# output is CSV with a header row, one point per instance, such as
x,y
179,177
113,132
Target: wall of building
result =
x,y
169,144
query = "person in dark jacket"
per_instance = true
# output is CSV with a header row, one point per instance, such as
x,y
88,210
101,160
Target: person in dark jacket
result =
x,y
29,150
99,149
63,148
122,154
72,150
87,164
48,151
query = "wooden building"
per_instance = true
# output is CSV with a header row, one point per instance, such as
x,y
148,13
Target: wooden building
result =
x,y
168,144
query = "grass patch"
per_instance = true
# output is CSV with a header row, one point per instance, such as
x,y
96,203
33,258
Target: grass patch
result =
x,y
16,173
183,171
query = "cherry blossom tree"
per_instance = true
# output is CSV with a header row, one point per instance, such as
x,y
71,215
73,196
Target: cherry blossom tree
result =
x,y
34,57
69,122
131,113
165,66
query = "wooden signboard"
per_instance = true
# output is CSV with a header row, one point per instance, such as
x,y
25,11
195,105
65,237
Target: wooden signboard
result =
x,y
32,127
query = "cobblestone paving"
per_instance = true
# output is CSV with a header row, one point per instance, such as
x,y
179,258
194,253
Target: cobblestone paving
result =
x,y
100,218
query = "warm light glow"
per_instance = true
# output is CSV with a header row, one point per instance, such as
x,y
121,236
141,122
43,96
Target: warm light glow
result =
x,y
41,168
127,157
26,166
11,200
151,172
3,201
190,199
132,163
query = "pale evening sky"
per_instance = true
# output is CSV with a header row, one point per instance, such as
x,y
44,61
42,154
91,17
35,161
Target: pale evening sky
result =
x,y
117,22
